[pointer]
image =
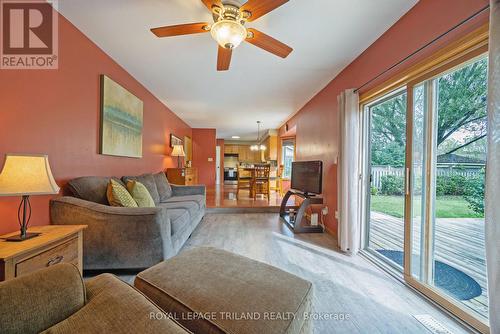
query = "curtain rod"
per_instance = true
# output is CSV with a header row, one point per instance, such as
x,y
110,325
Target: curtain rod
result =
x,y
424,46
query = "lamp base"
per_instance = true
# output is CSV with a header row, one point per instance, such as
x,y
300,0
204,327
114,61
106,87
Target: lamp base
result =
x,y
19,237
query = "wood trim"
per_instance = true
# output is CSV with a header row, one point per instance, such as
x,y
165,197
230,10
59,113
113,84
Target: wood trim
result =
x,y
449,66
470,42
451,306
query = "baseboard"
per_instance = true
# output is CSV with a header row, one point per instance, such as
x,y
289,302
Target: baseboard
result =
x,y
264,209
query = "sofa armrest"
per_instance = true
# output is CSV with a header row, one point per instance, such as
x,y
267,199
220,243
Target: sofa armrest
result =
x,y
187,190
116,238
37,301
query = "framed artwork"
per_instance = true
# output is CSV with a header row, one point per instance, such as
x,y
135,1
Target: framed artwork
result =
x,y
121,121
174,140
188,148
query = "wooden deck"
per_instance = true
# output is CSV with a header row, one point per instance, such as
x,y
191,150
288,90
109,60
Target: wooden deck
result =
x,y
459,242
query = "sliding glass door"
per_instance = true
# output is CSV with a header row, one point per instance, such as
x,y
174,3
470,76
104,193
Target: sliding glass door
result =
x,y
448,163
387,147
425,162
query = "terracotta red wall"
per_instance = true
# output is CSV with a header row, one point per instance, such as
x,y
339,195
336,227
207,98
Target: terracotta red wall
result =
x,y
204,142
317,122
57,112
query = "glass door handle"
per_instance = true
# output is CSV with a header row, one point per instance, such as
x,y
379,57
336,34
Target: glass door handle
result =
x,y
407,181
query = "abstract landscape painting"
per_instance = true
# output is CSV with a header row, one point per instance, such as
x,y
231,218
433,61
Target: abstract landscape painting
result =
x,y
121,120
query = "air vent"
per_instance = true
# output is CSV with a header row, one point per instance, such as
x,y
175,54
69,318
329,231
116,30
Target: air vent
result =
x,y
432,324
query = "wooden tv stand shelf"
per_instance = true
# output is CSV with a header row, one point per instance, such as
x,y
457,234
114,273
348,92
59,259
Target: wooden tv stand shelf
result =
x,y
298,223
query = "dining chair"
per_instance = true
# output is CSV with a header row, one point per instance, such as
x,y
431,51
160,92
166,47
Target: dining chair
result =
x,y
244,181
278,186
261,183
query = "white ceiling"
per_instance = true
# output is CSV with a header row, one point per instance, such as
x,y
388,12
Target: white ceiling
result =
x,y
181,71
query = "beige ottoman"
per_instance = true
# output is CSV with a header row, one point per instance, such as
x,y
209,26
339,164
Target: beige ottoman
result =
x,y
209,290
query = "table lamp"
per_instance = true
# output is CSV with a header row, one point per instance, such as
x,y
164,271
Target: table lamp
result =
x,y
26,175
178,152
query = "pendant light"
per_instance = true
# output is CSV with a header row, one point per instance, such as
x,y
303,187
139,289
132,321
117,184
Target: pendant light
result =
x,y
258,146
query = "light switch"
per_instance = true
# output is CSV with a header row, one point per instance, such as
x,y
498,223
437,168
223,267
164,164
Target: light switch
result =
x,y
210,159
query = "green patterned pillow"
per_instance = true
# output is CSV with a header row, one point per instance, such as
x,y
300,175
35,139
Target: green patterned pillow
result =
x,y
119,196
140,194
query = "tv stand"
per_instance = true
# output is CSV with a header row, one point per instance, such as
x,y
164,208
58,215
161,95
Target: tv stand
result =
x,y
297,222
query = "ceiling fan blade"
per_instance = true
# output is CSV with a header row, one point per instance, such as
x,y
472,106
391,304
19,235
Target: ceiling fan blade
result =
x,y
210,3
260,8
224,59
180,29
268,43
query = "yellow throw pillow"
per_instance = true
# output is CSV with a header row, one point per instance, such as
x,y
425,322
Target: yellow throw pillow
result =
x,y
140,194
119,196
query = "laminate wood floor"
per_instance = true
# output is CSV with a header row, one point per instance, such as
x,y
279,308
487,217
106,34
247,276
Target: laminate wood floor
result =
x,y
370,299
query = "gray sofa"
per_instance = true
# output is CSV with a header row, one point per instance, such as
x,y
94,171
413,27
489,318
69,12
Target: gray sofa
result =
x,y
56,300
130,238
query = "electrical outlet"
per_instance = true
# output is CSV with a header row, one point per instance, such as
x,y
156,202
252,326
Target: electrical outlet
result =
x,y
324,211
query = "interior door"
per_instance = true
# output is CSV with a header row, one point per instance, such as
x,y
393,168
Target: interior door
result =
x,y
217,165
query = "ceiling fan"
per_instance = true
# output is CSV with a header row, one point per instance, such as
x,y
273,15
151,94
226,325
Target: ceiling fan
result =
x,y
229,28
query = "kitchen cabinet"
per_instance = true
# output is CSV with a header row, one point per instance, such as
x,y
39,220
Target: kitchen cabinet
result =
x,y
244,153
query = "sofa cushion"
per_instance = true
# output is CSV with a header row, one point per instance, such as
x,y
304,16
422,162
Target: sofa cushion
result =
x,y
140,194
190,206
164,188
119,196
207,280
116,307
33,303
179,219
91,188
198,199
149,182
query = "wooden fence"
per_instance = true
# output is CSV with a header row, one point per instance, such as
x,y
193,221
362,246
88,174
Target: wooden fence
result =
x,y
442,170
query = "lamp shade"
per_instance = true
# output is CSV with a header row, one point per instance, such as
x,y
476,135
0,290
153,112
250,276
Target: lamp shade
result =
x,y
178,151
27,175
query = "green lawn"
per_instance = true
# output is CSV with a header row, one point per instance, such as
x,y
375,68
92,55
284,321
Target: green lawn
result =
x,y
446,206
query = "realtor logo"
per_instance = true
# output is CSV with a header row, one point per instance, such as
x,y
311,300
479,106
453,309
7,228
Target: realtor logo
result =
x,y
29,34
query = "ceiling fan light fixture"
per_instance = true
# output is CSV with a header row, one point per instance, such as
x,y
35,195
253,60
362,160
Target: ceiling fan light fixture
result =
x,y
228,33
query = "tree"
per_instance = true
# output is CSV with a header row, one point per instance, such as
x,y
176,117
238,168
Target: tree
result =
x,y
462,105
389,132
461,123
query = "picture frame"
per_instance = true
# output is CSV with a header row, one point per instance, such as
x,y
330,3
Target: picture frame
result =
x,y
174,140
121,121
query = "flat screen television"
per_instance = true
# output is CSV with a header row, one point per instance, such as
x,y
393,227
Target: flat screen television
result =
x,y
307,176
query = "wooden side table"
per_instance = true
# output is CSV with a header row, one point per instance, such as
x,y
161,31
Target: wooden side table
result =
x,y
55,244
183,176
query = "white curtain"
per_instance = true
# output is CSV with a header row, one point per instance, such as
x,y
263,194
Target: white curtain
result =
x,y
493,171
349,231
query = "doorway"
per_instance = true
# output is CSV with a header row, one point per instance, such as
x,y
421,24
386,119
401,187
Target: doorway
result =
x,y
217,165
425,161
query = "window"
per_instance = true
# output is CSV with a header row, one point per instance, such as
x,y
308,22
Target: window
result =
x,y
287,156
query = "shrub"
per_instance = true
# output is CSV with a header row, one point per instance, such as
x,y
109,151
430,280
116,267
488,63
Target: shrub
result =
x,y
374,190
392,185
474,193
451,185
